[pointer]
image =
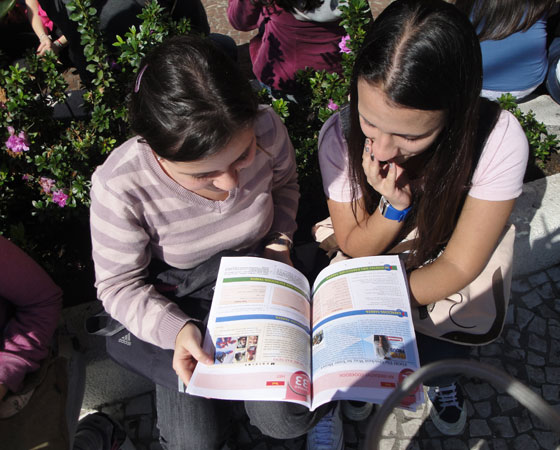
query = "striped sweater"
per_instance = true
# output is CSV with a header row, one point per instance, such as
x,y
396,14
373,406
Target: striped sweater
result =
x,y
139,213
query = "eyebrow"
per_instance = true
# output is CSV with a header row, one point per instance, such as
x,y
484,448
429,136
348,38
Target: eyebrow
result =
x,y
406,136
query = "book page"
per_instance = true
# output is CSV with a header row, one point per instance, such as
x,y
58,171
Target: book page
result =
x,y
258,330
363,340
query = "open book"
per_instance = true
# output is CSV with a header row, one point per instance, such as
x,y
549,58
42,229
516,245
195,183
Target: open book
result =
x,y
350,337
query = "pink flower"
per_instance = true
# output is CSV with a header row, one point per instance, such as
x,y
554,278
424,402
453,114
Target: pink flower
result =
x,y
332,105
46,184
342,45
19,143
59,198
25,177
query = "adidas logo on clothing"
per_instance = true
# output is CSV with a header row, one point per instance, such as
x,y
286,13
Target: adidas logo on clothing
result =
x,y
125,339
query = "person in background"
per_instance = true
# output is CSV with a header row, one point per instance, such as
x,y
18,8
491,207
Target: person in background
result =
x,y
26,26
423,155
30,305
292,35
115,18
513,40
43,27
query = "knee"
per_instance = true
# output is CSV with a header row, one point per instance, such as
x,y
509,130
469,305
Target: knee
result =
x,y
282,420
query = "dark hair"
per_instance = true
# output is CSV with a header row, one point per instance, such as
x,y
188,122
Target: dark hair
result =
x,y
290,5
190,100
497,19
424,54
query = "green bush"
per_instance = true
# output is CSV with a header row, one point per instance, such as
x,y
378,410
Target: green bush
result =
x,y
46,165
541,142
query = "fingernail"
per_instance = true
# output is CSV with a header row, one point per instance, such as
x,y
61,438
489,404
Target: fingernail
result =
x,y
371,156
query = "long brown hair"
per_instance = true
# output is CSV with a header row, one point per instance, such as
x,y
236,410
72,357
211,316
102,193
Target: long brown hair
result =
x,y
424,54
497,19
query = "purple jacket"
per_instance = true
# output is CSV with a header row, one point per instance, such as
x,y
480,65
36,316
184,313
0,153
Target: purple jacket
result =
x,y
284,44
30,305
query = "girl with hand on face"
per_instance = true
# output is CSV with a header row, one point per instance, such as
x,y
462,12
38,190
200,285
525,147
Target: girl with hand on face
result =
x,y
422,152
209,171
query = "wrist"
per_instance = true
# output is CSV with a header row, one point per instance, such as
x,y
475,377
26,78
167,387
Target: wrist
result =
x,y
44,36
278,241
392,212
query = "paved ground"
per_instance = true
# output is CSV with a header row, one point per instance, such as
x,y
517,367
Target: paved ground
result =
x,y
529,350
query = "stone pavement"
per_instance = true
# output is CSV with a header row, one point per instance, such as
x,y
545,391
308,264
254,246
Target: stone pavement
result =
x,y
529,350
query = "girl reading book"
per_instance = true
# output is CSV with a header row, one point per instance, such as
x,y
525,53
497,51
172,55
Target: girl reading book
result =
x,y
423,154
209,171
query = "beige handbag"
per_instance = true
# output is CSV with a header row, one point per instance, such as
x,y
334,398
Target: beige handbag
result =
x,y
476,314
473,316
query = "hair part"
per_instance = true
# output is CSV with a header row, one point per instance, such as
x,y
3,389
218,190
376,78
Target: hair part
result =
x,y
497,19
425,55
191,99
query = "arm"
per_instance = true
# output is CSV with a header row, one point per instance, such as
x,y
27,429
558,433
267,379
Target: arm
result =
x,y
285,188
244,15
472,243
36,301
121,255
369,235
45,43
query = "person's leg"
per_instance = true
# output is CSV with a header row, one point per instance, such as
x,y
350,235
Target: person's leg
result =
x,y
431,350
76,388
190,422
447,409
284,420
552,83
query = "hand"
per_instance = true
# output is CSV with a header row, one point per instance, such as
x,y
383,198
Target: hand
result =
x,y
389,179
278,252
3,390
45,45
188,352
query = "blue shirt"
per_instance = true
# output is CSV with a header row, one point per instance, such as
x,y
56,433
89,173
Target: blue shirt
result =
x,y
517,62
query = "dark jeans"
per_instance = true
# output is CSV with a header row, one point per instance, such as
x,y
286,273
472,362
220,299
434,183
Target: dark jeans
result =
x,y
190,422
432,350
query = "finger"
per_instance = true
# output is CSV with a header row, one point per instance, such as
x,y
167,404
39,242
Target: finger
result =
x,y
184,370
201,356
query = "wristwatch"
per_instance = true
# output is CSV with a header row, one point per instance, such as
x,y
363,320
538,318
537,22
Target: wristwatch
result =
x,y
279,238
387,210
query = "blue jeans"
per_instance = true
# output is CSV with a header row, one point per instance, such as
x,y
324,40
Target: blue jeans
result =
x,y
190,422
552,83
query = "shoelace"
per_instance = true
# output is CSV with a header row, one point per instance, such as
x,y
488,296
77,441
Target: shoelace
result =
x,y
447,396
322,434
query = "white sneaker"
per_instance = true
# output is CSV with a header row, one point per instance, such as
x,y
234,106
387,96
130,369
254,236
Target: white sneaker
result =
x,y
448,410
327,434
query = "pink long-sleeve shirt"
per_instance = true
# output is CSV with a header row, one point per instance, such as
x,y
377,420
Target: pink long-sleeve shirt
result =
x,y
30,304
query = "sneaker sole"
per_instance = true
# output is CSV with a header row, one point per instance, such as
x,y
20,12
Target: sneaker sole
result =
x,y
449,429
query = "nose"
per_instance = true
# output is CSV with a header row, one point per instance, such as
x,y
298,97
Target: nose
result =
x,y
383,146
227,180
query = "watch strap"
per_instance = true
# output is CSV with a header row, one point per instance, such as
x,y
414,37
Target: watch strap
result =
x,y
389,212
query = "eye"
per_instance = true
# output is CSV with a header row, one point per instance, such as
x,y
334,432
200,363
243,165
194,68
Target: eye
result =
x,y
202,176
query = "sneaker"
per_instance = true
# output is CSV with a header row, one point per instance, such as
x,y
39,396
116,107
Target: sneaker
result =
x,y
100,431
448,410
327,434
356,411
